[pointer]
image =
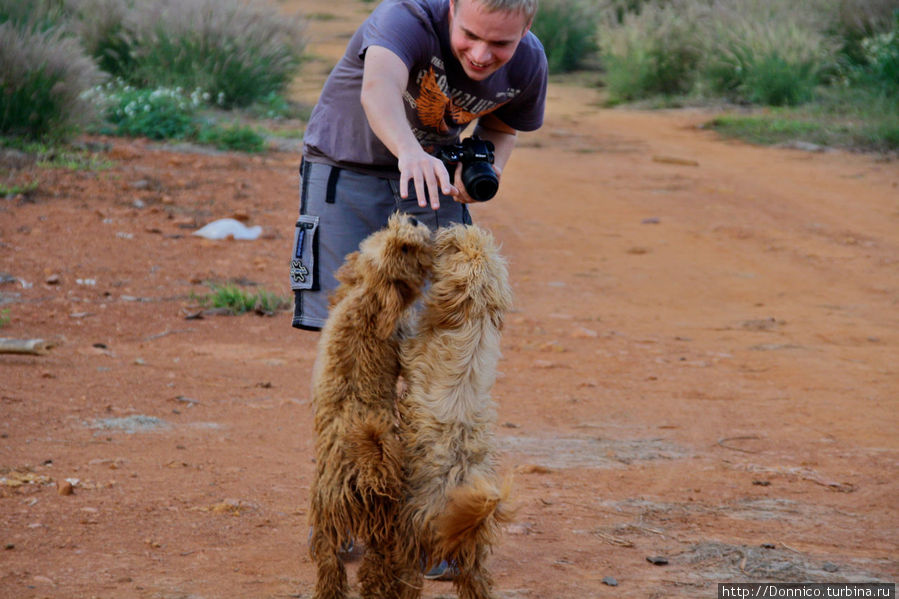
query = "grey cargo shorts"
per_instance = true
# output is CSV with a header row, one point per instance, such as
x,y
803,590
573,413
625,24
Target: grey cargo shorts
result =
x,y
338,209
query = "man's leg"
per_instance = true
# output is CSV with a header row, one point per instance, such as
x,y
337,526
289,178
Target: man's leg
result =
x,y
337,211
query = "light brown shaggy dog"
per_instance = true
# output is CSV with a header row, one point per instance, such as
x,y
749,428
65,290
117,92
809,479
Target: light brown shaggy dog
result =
x,y
455,504
358,474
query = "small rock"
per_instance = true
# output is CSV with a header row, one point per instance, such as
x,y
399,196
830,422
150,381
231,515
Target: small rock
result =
x,y
657,560
65,488
830,567
610,581
52,280
651,221
518,528
584,333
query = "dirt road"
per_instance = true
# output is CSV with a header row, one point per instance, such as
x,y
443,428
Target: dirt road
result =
x,y
701,366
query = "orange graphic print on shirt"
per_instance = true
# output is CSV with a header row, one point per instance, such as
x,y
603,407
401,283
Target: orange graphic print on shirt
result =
x,y
433,106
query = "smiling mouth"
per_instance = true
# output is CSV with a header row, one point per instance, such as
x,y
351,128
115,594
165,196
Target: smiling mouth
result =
x,y
478,65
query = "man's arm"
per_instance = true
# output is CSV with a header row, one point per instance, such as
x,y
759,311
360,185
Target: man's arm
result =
x,y
384,81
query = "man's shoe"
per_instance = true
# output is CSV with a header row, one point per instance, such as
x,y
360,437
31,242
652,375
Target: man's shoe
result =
x,y
443,571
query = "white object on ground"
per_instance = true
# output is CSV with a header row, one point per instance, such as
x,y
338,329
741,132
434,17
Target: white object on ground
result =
x,y
228,227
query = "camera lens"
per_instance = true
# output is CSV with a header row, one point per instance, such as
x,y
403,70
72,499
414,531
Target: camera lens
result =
x,y
480,180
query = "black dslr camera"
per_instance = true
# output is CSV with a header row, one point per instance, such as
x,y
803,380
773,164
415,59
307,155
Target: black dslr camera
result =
x,y
476,156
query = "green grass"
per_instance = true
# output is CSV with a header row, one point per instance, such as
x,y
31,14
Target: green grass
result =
x,y
4,317
8,191
238,301
851,119
234,137
52,153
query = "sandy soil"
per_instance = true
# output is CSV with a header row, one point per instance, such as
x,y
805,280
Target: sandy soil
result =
x,y
701,366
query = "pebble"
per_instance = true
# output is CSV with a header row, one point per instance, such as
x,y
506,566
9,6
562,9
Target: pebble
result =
x,y
657,560
65,488
610,581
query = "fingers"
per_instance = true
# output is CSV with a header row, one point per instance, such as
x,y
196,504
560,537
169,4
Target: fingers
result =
x,y
429,178
462,196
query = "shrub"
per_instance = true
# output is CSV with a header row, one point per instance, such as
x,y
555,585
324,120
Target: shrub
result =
x,y
160,113
655,51
567,29
42,77
766,52
881,61
238,51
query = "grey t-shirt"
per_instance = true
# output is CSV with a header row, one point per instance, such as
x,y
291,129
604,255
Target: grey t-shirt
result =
x,y
440,99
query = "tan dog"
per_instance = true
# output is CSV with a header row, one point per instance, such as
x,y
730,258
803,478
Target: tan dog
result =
x,y
358,474
454,504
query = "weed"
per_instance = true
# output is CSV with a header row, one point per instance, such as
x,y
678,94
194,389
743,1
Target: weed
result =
x,y
235,137
238,301
8,191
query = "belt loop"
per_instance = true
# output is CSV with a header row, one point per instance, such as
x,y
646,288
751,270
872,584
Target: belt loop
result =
x,y
332,185
304,184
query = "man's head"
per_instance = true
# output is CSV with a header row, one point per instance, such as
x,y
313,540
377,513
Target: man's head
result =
x,y
484,34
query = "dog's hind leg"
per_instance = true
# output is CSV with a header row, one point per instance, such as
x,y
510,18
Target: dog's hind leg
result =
x,y
377,576
473,580
331,581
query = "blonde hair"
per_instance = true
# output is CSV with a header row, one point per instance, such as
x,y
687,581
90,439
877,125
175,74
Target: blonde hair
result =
x,y
527,8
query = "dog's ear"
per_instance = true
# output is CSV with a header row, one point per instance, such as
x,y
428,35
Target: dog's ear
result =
x,y
392,306
348,273
348,276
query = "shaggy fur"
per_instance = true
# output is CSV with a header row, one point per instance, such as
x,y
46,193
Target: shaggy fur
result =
x,y
358,476
455,504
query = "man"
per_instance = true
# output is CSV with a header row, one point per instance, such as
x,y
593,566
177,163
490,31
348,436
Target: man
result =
x,y
414,75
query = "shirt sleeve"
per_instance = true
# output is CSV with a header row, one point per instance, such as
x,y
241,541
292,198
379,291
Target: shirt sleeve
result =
x,y
400,26
525,111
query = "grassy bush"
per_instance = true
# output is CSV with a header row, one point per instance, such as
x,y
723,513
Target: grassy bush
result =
x,y
42,76
655,51
238,51
567,29
766,52
32,15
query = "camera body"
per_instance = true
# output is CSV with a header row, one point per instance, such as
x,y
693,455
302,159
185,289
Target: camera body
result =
x,y
476,156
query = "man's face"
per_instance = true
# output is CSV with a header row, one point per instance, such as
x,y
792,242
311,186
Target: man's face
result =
x,y
481,40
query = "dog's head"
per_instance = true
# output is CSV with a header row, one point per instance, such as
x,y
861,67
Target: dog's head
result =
x,y
392,264
470,277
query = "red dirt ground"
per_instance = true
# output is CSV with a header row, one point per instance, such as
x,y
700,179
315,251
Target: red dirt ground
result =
x,y
701,365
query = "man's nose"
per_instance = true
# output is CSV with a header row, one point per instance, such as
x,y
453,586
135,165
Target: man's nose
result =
x,y
480,53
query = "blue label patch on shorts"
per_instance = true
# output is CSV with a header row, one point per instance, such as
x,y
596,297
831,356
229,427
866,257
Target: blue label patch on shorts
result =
x,y
302,262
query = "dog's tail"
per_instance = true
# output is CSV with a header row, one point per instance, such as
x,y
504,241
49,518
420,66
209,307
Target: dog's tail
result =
x,y
472,518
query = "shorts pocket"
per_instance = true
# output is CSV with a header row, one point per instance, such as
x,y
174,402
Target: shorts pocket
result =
x,y
304,258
